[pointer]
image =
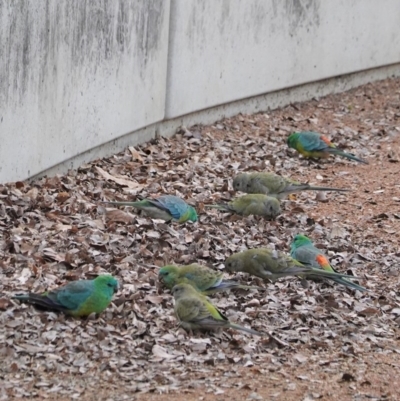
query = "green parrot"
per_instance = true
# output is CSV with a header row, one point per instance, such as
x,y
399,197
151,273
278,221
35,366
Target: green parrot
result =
x,y
312,144
202,278
303,250
77,298
256,204
272,265
273,185
165,207
195,312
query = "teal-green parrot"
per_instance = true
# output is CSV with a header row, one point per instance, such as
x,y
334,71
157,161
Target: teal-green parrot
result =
x,y
312,144
255,204
203,278
303,250
273,185
165,207
77,298
272,265
195,312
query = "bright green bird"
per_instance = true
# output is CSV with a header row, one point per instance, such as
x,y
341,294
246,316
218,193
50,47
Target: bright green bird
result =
x,y
255,204
165,207
77,298
273,185
203,278
195,312
272,265
312,144
303,250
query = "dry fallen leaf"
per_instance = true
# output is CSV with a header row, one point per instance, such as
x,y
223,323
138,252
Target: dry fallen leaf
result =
x,y
119,180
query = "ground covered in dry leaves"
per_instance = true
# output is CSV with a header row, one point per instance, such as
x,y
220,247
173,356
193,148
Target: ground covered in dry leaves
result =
x,y
343,345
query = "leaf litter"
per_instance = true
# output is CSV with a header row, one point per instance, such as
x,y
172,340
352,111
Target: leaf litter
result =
x,y
56,229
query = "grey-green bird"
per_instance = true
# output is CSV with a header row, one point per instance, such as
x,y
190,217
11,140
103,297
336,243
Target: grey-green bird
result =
x,y
195,312
303,250
272,265
252,204
203,278
165,207
273,185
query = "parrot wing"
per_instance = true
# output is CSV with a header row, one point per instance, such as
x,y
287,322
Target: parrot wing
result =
x,y
188,309
200,312
73,295
313,143
171,204
275,183
202,276
307,255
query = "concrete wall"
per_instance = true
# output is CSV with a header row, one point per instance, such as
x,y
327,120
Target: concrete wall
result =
x,y
75,74
81,79
222,51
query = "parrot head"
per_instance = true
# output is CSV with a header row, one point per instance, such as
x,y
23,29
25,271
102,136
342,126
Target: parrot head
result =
x,y
183,289
234,263
106,283
299,240
189,215
168,275
192,214
241,182
292,140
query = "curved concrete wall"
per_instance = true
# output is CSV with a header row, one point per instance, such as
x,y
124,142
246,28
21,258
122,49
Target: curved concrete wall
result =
x,y
222,51
76,74
81,79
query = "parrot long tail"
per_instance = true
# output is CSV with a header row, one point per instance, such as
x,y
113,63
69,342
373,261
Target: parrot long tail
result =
x,y
326,189
39,300
251,331
229,285
219,207
349,284
350,156
325,274
133,204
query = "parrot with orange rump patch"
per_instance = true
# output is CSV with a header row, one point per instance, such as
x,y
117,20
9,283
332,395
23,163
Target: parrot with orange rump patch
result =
x,y
315,145
303,250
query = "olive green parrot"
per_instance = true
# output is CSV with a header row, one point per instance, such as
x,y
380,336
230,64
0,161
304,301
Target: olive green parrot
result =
x,y
252,204
195,312
272,265
203,278
273,185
